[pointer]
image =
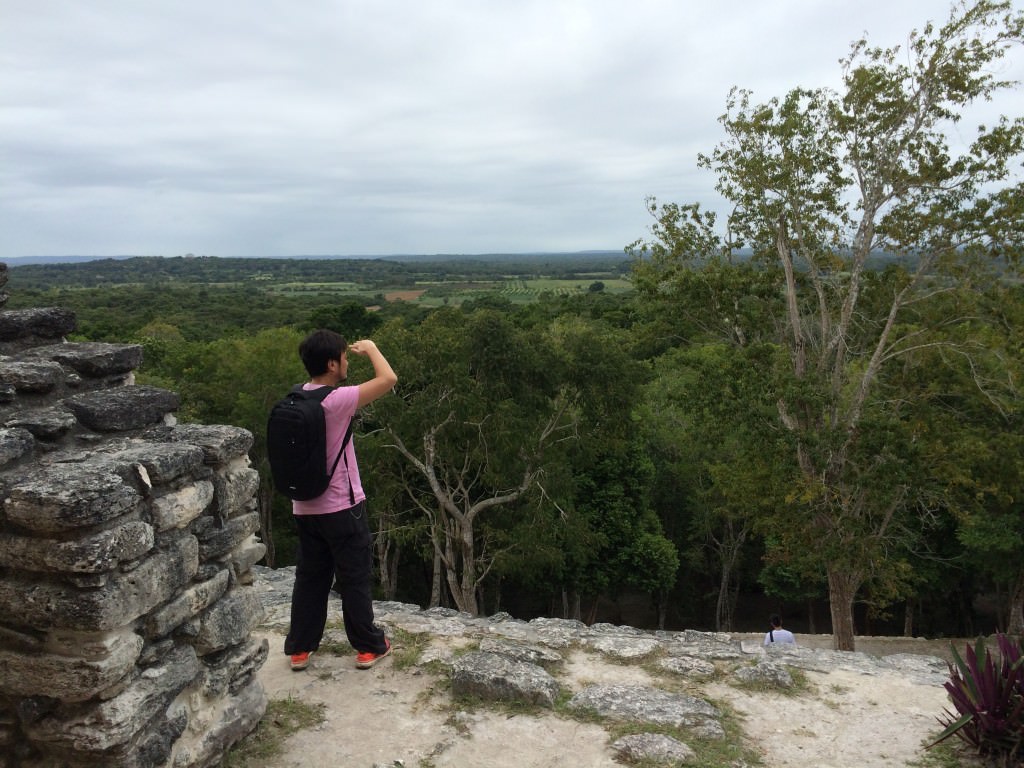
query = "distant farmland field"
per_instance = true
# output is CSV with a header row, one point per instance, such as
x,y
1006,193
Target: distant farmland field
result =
x,y
534,288
435,293
404,295
516,290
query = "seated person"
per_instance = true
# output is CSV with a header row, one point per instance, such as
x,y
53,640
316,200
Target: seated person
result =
x,y
777,634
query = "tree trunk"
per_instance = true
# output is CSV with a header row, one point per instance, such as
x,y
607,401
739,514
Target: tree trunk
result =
x,y
811,627
389,571
435,581
497,596
723,614
966,610
1015,620
728,545
908,618
387,561
265,500
451,577
842,589
465,596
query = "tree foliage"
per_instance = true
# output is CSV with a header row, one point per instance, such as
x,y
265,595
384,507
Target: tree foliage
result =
x,y
477,416
820,181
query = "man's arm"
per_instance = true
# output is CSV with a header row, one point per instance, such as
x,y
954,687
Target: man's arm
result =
x,y
384,379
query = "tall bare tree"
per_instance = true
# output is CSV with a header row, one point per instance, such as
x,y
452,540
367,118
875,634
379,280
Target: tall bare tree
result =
x,y
819,183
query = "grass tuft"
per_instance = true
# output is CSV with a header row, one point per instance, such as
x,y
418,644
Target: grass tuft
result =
x,y
283,718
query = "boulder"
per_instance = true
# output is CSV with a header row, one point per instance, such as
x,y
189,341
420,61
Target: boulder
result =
x,y
494,677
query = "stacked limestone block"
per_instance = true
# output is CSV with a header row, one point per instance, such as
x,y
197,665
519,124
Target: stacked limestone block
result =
x,y
126,543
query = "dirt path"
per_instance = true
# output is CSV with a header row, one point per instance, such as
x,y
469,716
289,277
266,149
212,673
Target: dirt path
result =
x,y
391,717
851,720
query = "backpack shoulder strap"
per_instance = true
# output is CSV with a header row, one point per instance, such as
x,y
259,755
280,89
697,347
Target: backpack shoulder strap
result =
x,y
321,393
344,442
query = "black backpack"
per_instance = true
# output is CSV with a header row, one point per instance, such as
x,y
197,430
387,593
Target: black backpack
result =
x,y
297,444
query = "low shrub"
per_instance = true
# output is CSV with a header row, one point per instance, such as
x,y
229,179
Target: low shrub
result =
x,y
987,692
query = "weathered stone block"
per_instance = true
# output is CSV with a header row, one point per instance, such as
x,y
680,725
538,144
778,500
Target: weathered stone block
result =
x,y
8,726
235,490
123,408
225,722
106,730
688,666
156,747
187,605
231,670
499,678
82,567
91,358
164,462
125,597
645,704
64,497
31,376
531,654
15,443
216,542
45,423
74,673
37,323
220,443
98,553
656,748
27,642
229,621
246,555
770,674
181,507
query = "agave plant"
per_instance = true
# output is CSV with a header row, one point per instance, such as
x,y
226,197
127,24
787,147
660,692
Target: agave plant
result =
x,y
988,695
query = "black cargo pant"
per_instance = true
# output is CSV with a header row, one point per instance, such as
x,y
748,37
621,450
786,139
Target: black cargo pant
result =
x,y
334,546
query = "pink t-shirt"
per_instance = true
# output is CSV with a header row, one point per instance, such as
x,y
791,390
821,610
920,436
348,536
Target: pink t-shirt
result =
x,y
339,408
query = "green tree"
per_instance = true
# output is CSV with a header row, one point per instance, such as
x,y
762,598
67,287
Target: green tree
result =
x,y
613,539
976,427
350,319
478,416
711,423
819,183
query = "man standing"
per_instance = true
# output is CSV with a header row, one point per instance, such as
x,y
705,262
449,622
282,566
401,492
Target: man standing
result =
x,y
334,533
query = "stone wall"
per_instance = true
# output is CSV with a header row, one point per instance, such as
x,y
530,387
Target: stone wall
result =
x,y
126,547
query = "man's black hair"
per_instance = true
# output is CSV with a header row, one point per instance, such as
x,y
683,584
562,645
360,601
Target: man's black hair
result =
x,y
319,348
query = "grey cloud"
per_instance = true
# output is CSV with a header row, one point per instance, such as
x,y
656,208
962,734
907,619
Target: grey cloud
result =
x,y
381,126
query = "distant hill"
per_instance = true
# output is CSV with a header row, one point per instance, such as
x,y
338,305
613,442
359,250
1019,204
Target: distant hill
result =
x,y
15,261
371,273
506,257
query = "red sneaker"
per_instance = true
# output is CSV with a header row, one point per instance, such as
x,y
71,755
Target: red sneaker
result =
x,y
300,660
367,660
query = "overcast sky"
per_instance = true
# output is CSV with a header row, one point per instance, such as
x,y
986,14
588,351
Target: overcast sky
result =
x,y
374,127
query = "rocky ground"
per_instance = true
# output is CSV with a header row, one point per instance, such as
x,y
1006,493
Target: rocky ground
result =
x,y
871,709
